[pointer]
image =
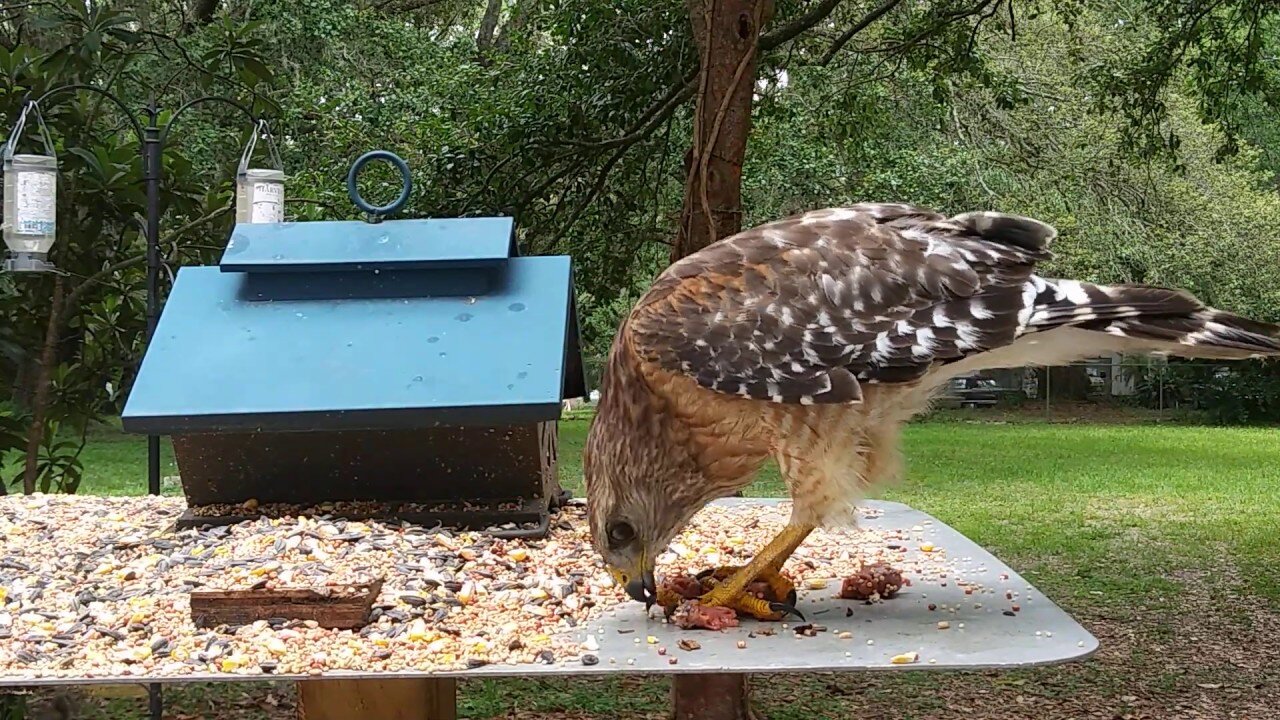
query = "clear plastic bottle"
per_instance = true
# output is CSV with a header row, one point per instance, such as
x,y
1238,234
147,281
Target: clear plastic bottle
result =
x,y
30,203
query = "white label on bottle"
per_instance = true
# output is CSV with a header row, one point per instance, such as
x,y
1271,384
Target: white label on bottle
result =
x,y
36,204
268,203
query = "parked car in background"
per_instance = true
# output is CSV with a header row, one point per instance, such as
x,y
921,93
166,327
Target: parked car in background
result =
x,y
971,391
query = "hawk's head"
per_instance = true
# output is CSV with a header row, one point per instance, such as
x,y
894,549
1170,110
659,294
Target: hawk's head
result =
x,y
642,483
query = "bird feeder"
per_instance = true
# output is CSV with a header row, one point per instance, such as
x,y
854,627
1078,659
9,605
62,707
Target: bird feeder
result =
x,y
406,369
260,191
30,201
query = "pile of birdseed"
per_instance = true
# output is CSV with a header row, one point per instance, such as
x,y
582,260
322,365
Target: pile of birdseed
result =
x,y
94,587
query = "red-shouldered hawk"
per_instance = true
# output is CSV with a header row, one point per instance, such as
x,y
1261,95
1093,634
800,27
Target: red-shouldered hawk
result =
x,y
813,339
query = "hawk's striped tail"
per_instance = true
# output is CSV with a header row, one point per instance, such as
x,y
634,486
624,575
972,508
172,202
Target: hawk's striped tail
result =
x,y
1153,319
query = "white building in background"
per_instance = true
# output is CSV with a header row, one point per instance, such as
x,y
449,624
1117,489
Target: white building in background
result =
x,y
1122,381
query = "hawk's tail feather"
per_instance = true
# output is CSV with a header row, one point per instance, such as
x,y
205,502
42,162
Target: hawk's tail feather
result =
x,y
1159,319
1209,333
1069,302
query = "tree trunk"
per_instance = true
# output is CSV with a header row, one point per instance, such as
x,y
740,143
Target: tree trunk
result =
x,y
22,384
40,402
711,697
398,699
520,16
727,33
488,26
204,11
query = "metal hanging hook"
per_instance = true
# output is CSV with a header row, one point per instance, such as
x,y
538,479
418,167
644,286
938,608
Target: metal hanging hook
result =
x,y
15,136
260,130
376,213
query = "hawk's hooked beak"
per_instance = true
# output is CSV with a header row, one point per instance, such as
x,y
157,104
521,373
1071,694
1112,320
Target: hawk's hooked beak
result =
x,y
640,584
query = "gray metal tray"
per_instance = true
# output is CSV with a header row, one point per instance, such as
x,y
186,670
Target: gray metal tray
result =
x,y
1041,633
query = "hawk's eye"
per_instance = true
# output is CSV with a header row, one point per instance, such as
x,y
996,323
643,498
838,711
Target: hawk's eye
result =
x,y
621,533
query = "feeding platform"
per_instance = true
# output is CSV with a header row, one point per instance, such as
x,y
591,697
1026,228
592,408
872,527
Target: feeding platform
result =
x,y
410,369
569,622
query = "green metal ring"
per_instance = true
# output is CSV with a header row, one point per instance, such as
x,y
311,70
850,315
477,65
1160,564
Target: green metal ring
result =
x,y
406,182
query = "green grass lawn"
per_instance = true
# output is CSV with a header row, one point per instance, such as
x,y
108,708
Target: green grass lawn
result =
x,y
1150,535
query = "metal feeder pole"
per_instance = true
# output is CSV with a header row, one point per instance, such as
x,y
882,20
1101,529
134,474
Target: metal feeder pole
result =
x,y
151,148
151,139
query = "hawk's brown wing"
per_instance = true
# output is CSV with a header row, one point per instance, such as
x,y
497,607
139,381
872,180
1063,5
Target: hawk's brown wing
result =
x,y
802,310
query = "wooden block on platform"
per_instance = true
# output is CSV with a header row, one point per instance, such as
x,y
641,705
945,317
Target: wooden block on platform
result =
x,y
341,607
411,699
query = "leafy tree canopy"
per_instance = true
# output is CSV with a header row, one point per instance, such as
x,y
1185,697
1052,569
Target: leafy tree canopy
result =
x,y
1141,128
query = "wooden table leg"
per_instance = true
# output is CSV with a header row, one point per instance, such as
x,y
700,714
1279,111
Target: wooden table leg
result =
x,y
711,697
399,699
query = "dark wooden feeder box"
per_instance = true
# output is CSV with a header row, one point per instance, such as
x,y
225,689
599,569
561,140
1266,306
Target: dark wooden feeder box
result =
x,y
419,365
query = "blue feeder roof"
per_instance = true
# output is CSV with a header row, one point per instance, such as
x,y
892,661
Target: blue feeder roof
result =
x,y
323,326
344,245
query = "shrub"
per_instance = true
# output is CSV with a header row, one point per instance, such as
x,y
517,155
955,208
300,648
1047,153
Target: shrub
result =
x,y
1245,394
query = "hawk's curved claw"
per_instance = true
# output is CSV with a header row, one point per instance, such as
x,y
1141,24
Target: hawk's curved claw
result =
x,y
746,605
772,602
786,610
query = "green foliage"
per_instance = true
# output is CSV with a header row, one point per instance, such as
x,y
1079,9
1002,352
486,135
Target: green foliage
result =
x,y
1248,394
58,466
574,117
1242,393
1160,385
1221,52
527,129
99,327
13,706
11,432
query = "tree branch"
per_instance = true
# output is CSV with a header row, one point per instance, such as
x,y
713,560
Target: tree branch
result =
x,y
680,93
793,29
198,222
19,6
973,34
403,6
941,23
592,194
661,111
858,27
40,404
520,15
546,184
72,301
649,120
308,201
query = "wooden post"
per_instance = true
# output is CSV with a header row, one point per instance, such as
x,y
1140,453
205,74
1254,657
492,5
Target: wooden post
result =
x,y
399,699
711,697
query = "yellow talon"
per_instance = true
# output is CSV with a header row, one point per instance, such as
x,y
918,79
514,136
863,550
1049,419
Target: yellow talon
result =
x,y
730,585
744,603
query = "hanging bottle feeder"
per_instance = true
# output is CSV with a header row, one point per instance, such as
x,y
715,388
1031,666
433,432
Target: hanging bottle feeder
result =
x,y
30,200
260,191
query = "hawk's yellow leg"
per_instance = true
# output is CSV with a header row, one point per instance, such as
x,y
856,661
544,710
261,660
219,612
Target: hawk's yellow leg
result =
x,y
767,563
779,585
